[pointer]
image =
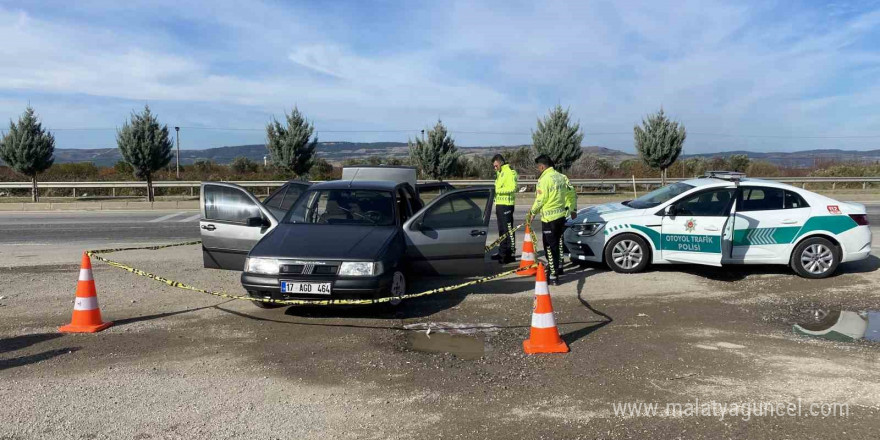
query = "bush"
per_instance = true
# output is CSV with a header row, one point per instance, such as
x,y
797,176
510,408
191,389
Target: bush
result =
x,y
243,165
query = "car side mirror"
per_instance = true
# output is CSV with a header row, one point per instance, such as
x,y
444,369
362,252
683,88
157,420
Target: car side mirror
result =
x,y
670,211
255,222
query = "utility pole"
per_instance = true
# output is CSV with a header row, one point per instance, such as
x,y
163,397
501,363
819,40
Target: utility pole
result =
x,y
177,131
423,135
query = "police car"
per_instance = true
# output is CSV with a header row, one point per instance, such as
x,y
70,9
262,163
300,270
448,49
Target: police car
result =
x,y
722,218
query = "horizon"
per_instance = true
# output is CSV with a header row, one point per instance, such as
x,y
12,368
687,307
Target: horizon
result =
x,y
745,76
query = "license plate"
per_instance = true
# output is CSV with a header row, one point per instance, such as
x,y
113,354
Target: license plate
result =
x,y
305,288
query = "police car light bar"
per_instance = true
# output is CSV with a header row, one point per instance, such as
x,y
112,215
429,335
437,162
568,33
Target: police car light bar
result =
x,y
732,176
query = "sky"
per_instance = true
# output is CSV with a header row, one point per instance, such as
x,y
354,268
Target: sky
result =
x,y
760,76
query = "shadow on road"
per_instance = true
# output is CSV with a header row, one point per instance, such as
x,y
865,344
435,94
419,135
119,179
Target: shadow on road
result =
x,y
24,341
573,336
34,358
125,321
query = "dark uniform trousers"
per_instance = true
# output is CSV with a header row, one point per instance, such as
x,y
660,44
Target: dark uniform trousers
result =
x,y
504,215
552,239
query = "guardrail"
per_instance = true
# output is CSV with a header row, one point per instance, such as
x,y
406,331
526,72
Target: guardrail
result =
x,y
609,185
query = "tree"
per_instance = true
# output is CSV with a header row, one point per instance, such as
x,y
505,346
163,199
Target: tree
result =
x,y
145,145
437,157
27,148
558,138
290,146
590,166
321,170
243,165
521,159
738,162
659,141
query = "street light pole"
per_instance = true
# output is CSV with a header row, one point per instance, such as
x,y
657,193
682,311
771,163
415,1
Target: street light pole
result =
x,y
177,130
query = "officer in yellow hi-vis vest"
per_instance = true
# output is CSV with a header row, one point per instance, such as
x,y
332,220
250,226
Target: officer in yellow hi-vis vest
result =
x,y
555,200
506,184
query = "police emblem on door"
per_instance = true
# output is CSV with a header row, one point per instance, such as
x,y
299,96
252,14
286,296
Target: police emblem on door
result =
x,y
690,225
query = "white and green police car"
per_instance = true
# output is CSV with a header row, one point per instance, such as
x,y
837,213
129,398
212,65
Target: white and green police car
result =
x,y
724,218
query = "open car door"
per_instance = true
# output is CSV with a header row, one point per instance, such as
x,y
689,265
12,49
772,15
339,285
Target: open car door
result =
x,y
232,222
280,201
692,229
448,235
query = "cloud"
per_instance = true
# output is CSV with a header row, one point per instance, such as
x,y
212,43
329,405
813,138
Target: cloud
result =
x,y
743,68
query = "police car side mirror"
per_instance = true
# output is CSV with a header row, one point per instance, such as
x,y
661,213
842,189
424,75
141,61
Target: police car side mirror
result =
x,y
670,211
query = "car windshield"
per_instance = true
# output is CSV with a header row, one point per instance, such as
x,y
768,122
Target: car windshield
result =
x,y
343,207
659,196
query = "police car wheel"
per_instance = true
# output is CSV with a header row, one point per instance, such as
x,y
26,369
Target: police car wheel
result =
x,y
815,258
627,253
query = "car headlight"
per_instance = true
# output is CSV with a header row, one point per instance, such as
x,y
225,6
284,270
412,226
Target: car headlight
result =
x,y
267,266
360,268
587,229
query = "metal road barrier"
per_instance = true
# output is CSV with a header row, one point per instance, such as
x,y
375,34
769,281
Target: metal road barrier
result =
x,y
610,185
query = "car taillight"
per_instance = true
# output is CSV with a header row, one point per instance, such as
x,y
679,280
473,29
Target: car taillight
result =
x,y
860,219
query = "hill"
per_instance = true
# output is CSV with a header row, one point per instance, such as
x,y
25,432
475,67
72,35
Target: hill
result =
x,y
336,152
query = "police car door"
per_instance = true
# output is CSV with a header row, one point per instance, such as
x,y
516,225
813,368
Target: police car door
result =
x,y
448,235
693,226
767,220
232,222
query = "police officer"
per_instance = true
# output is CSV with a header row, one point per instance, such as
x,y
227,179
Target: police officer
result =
x,y
555,200
506,183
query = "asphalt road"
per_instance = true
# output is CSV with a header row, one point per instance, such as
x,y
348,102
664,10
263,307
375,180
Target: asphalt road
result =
x,y
101,227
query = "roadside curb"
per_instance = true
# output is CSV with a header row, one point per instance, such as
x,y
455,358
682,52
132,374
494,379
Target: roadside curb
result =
x,y
98,206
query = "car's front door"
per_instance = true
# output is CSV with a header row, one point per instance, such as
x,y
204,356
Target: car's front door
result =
x,y
280,201
693,227
448,236
766,222
232,222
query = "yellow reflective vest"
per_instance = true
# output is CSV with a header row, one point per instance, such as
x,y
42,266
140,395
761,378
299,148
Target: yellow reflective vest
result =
x,y
506,184
555,197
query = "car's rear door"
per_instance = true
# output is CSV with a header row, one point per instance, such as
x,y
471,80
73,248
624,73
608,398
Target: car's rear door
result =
x,y
693,234
766,221
448,235
232,222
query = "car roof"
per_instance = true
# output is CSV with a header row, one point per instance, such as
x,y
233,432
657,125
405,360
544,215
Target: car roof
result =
x,y
385,185
706,181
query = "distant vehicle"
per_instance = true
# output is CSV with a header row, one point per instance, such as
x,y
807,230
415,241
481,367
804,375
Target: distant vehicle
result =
x,y
723,218
344,239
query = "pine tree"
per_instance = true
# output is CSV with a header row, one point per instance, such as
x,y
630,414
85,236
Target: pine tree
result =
x,y
659,141
558,138
27,148
145,145
437,157
289,146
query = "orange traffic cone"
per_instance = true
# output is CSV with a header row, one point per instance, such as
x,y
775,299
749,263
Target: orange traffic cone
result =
x,y
86,314
527,259
544,337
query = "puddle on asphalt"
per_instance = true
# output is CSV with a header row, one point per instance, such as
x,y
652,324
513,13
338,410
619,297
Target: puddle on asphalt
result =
x,y
467,347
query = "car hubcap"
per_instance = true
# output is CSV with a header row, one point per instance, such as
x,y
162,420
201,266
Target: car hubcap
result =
x,y
627,254
817,259
398,288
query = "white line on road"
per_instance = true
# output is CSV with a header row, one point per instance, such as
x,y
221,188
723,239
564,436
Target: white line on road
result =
x,y
165,217
190,219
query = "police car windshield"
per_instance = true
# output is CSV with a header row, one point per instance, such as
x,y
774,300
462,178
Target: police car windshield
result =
x,y
659,196
343,207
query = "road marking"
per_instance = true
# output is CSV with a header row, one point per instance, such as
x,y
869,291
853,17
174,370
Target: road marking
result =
x,y
190,219
165,217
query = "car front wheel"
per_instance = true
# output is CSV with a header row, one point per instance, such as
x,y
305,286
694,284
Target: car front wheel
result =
x,y
627,253
815,258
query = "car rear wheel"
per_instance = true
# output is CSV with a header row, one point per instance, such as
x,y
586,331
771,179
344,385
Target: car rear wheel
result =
x,y
398,288
815,258
627,253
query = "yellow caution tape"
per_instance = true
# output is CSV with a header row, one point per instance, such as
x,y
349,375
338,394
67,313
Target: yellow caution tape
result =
x,y
326,302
